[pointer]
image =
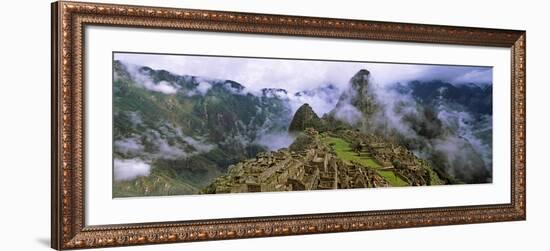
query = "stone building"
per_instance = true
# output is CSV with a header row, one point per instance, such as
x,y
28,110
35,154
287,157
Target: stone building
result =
x,y
316,168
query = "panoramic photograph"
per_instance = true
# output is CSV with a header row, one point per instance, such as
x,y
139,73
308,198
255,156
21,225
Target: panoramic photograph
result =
x,y
197,125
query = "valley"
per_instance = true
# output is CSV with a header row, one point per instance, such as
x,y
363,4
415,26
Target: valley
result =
x,y
182,134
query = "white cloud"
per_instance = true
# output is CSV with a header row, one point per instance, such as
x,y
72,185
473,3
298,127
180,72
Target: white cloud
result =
x,y
200,146
203,87
386,74
322,100
161,86
146,82
298,75
163,148
475,76
253,73
129,145
135,118
129,169
349,114
275,140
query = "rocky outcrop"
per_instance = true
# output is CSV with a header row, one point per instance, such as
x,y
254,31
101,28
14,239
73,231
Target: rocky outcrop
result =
x,y
427,121
359,95
304,118
316,167
313,163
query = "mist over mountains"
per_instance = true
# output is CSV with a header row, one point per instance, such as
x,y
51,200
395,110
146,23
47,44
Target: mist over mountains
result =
x,y
174,133
449,125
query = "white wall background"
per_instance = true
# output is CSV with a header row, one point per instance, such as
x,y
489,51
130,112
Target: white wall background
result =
x,y
25,124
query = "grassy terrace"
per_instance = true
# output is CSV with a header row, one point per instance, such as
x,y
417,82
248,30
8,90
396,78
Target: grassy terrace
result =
x,y
393,179
344,151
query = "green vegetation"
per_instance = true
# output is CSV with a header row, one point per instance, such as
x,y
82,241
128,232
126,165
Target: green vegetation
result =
x,y
192,135
434,178
393,179
160,125
304,118
155,184
345,152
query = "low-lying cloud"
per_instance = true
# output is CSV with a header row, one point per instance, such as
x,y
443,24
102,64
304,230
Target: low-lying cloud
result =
x,y
200,146
134,159
293,75
297,76
129,145
349,114
203,87
129,169
443,131
275,140
146,82
175,148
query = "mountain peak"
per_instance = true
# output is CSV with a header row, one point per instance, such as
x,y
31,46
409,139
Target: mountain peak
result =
x,y
362,72
304,118
274,92
360,80
234,85
359,95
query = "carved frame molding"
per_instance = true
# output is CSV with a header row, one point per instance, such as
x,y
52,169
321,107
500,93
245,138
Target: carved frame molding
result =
x,y
68,226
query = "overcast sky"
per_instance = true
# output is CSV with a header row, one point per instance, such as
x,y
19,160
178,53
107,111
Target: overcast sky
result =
x,y
298,75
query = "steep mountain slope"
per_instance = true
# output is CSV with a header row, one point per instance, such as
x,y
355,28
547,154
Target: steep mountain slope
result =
x,y
190,127
304,118
176,134
356,105
341,159
447,124
473,98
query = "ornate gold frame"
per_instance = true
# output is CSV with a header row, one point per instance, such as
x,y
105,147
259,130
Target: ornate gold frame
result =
x,y
68,22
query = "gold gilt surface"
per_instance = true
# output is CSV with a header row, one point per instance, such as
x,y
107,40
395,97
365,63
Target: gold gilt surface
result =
x,y
68,22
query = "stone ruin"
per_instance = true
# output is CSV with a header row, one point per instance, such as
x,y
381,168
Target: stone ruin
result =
x,y
316,168
392,157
